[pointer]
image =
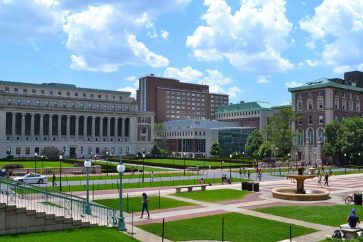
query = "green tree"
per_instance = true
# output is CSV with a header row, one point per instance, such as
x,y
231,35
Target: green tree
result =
x,y
160,135
278,130
253,143
51,152
265,150
332,141
156,151
215,149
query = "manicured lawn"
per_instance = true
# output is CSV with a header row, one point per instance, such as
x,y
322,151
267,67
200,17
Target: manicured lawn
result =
x,y
114,164
79,235
237,227
31,164
327,215
191,163
134,203
214,195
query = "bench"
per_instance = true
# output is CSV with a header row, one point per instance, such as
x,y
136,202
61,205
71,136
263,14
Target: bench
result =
x,y
190,188
78,172
350,233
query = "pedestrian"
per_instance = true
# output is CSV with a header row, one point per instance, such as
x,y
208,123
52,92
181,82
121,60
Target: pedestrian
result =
x,y
326,179
280,170
152,176
248,174
270,169
319,179
260,175
53,180
201,181
145,207
244,171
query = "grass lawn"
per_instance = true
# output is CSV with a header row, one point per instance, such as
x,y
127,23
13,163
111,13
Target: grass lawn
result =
x,y
327,215
134,203
191,163
79,235
114,164
237,227
214,195
31,164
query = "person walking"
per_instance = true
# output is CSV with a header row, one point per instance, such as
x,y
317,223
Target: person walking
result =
x,y
53,180
319,179
326,179
145,207
248,174
152,176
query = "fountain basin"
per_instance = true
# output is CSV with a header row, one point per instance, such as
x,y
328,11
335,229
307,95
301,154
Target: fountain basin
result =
x,y
288,193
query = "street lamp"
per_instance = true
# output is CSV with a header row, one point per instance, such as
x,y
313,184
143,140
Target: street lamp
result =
x,y
296,159
35,162
42,162
143,167
173,158
107,162
60,172
184,162
121,221
315,157
288,159
87,207
230,167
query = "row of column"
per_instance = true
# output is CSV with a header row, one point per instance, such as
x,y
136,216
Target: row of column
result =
x,y
19,123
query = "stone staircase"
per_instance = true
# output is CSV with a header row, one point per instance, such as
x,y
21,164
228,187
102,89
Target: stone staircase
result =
x,y
15,220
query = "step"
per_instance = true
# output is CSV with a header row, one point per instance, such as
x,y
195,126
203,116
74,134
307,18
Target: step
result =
x,y
40,214
31,212
68,221
85,224
77,222
10,208
2,205
49,216
20,210
59,218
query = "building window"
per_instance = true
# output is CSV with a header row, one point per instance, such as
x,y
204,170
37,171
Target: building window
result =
x,y
42,92
34,91
64,105
25,90
336,103
81,105
76,94
357,106
55,104
300,137
310,104
310,119
9,101
321,135
18,150
6,89
59,93
105,107
98,106
90,106
15,89
299,105
27,150
344,104
8,150
321,119
99,96
68,94
28,102
18,101
320,103
46,103
92,95
73,105
310,137
37,103
350,105
84,95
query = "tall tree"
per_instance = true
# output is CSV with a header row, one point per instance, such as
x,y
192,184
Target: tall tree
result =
x,y
254,140
215,149
160,135
278,130
265,150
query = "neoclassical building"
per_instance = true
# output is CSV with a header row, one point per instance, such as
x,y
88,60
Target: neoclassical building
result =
x,y
79,121
319,103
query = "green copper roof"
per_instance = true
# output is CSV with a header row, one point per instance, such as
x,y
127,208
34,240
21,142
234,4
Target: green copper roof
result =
x,y
240,107
324,82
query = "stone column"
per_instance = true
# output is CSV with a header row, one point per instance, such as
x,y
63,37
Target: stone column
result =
x,y
59,127
13,125
93,128
77,128
68,128
32,124
108,128
85,128
318,153
116,128
101,127
307,151
41,126
123,133
50,126
23,126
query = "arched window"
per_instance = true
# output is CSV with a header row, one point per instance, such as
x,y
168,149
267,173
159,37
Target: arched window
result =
x,y
310,136
300,137
321,135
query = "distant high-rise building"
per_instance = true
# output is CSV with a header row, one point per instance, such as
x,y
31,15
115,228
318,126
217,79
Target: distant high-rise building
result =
x,y
319,103
171,99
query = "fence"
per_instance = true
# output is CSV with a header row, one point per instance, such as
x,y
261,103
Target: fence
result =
x,y
57,203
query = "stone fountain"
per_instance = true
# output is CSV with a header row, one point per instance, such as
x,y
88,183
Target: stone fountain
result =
x,y
299,193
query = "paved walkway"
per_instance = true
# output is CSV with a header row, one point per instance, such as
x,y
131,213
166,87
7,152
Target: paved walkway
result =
x,y
340,186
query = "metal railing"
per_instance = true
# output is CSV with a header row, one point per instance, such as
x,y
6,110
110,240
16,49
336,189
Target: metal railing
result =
x,y
60,204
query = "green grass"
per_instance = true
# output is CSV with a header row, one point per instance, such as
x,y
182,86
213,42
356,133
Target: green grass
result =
x,y
191,163
79,235
31,164
327,215
358,239
114,164
134,203
237,227
214,195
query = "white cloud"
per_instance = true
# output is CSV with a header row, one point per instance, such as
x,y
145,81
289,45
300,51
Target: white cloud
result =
x,y
164,34
292,84
186,74
338,27
129,89
263,80
251,39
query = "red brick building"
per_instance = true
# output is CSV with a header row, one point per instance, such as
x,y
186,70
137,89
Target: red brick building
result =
x,y
171,99
320,102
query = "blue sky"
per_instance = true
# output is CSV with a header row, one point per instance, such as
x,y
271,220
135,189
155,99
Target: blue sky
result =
x,y
249,49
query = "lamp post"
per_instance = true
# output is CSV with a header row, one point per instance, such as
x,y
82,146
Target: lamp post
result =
x,y
173,158
345,163
288,159
315,157
143,167
87,207
42,162
184,162
121,221
230,167
296,159
60,172
107,162
35,162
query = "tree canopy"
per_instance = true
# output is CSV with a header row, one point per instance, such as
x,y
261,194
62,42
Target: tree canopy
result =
x,y
254,140
215,149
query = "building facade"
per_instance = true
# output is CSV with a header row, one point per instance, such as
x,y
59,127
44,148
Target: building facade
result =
x,y
171,99
319,103
249,114
195,137
78,121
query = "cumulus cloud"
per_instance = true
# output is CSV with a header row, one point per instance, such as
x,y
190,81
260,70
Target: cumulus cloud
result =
x,y
292,84
251,39
263,80
132,90
338,27
134,85
186,74
164,34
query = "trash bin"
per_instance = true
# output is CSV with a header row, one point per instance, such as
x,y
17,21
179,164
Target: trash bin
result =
x,y
357,199
256,187
249,186
244,185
